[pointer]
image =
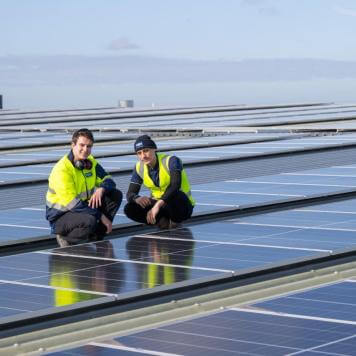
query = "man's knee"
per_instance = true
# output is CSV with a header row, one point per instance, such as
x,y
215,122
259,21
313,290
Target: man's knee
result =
x,y
115,195
130,209
182,214
86,227
91,222
76,228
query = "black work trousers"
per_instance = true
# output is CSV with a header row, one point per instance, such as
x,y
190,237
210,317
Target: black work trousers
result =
x,y
80,227
177,209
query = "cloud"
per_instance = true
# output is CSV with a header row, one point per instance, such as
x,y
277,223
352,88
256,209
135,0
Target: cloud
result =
x,y
261,7
122,43
346,12
9,67
269,11
252,2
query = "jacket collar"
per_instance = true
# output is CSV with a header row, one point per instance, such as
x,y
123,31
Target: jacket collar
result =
x,y
71,157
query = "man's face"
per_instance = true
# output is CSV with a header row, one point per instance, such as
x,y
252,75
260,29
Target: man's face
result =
x,y
82,149
147,156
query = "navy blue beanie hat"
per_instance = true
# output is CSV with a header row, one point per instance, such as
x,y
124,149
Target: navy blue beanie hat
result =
x,y
144,141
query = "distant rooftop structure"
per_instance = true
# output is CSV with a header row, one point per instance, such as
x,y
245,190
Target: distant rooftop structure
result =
x,y
126,103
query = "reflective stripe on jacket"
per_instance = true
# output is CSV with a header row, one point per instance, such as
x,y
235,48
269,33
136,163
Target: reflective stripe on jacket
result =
x,y
164,178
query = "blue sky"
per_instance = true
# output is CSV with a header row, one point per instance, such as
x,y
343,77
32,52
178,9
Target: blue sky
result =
x,y
198,29
86,52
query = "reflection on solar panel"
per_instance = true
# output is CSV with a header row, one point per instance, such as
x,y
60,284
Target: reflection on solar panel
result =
x,y
307,323
139,262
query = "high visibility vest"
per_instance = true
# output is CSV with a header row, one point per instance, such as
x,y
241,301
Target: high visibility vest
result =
x,y
68,185
164,178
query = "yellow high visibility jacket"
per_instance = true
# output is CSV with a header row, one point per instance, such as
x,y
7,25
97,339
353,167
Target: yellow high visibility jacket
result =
x,y
69,188
164,178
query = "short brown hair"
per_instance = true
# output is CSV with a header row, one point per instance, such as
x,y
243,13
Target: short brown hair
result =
x,y
82,132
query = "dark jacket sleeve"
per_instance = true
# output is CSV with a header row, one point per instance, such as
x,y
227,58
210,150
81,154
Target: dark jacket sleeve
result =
x,y
174,186
134,187
104,178
132,192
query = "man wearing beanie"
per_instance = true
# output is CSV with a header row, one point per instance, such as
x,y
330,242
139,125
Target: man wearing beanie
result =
x,y
170,201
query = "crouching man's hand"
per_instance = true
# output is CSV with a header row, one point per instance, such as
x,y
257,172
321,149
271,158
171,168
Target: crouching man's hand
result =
x,y
96,198
151,215
143,201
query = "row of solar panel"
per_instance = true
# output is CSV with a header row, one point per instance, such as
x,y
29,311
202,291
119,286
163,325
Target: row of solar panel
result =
x,y
126,162
65,276
28,222
318,321
13,116
206,120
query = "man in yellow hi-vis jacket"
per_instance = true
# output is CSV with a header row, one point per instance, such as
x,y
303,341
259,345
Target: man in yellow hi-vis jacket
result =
x,y
171,201
82,199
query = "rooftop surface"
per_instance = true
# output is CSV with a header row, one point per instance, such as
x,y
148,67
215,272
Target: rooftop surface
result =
x,y
265,266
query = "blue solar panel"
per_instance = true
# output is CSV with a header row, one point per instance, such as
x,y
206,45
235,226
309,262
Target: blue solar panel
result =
x,y
21,224
335,301
236,332
20,298
140,262
313,322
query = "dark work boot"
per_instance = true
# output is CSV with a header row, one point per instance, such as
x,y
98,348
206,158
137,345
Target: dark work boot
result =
x,y
61,241
163,223
174,225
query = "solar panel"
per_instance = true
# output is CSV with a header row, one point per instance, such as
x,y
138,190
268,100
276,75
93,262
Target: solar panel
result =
x,y
294,325
126,162
162,121
335,301
163,258
21,224
311,322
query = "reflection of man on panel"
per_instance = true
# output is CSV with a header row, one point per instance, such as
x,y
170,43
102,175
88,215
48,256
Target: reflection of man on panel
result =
x,y
164,256
81,199
96,274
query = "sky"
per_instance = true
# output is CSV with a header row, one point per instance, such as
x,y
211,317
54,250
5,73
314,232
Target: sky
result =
x,y
46,42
